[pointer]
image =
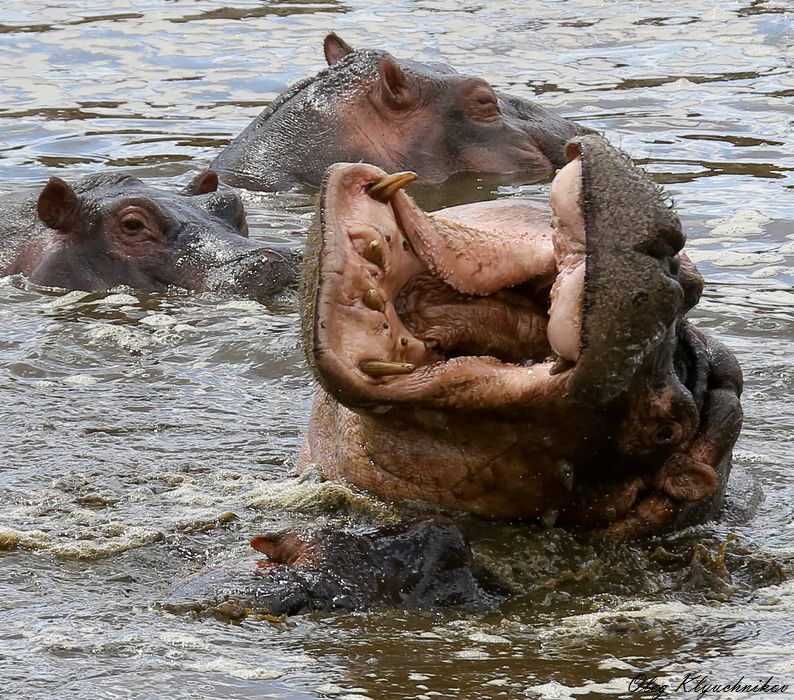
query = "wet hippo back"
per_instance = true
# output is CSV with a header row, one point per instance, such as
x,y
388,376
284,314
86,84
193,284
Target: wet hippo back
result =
x,y
414,566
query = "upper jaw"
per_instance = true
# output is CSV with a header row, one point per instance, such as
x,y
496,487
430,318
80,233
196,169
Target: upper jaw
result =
x,y
633,295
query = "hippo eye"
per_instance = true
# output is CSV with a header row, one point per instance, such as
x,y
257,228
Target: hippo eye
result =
x,y
132,224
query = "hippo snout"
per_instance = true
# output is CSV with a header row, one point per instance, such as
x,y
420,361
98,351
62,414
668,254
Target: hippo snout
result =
x,y
258,273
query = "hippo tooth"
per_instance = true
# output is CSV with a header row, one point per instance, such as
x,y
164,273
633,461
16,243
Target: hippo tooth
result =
x,y
564,472
560,365
374,253
384,189
373,300
431,343
384,368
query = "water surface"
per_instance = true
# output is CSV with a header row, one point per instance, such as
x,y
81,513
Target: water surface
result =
x,y
144,436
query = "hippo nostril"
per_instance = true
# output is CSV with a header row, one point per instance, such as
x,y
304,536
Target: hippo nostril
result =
x,y
666,434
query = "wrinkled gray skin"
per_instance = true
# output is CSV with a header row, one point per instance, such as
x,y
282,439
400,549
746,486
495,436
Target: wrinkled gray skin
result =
x,y
400,115
112,229
414,566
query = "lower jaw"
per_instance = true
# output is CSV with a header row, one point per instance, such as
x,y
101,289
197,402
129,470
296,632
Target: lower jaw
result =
x,y
490,468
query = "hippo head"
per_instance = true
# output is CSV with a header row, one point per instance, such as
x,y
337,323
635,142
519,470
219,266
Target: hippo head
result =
x,y
113,229
369,106
509,370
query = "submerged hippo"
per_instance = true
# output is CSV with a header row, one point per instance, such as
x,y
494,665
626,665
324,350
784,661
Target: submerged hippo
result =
x,y
112,229
496,359
414,566
368,106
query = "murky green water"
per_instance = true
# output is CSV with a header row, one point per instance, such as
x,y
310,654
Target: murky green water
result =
x,y
133,425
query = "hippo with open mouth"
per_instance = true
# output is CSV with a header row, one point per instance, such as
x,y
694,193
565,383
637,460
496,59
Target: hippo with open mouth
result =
x,y
366,105
496,359
109,229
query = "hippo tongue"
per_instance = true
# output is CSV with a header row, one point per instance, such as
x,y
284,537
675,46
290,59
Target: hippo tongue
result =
x,y
481,249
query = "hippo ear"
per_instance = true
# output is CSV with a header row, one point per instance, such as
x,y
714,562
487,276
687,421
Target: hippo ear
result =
x,y
396,90
282,547
204,183
335,48
58,205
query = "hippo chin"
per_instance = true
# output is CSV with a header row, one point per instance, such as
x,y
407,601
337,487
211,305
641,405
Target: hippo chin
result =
x,y
496,359
368,106
112,229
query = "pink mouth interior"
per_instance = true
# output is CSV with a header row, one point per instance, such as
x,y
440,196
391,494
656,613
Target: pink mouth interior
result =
x,y
406,299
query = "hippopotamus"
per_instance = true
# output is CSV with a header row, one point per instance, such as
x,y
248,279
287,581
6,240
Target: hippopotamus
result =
x,y
415,565
514,363
369,106
110,229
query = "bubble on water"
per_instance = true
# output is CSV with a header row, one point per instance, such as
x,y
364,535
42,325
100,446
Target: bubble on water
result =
x,y
124,337
553,691
129,537
769,271
67,299
306,495
234,668
55,639
158,321
485,638
121,299
80,380
245,305
732,258
743,222
184,641
473,654
614,664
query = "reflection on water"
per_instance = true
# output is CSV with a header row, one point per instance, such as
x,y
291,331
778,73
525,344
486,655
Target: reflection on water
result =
x,y
146,435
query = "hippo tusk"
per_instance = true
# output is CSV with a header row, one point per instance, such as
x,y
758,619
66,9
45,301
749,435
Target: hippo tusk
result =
x,y
373,300
561,365
374,253
384,368
383,190
564,473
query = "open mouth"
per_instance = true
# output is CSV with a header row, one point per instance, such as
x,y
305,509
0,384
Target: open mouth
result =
x,y
435,308
492,305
